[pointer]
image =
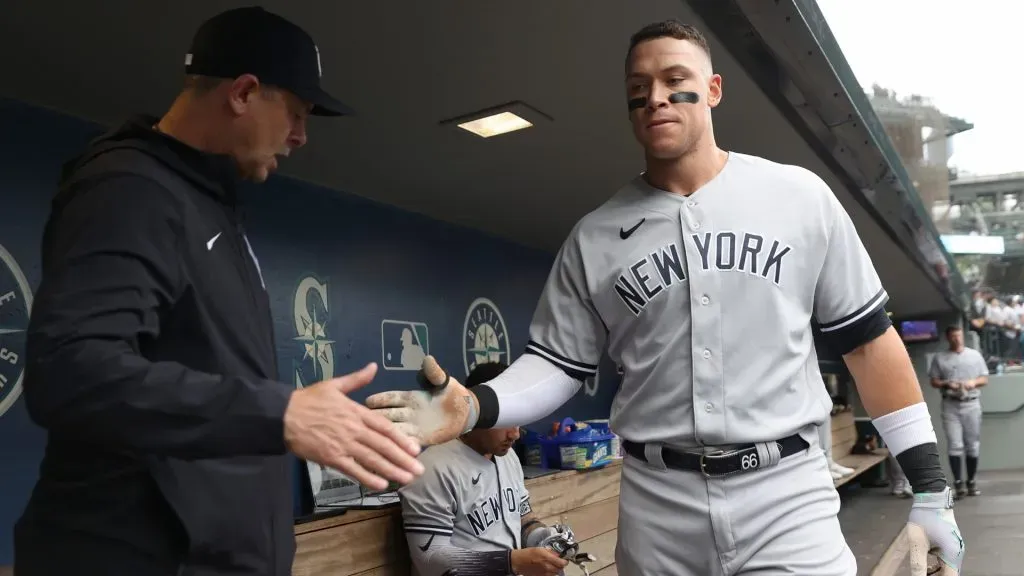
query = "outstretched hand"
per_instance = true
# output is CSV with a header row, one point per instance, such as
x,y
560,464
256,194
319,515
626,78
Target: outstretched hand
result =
x,y
433,416
323,425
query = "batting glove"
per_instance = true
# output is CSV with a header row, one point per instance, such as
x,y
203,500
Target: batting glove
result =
x,y
441,412
932,515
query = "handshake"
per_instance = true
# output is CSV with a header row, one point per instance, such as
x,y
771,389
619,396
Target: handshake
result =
x,y
377,443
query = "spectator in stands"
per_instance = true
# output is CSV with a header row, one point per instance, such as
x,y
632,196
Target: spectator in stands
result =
x,y
993,311
1018,315
958,373
976,315
1011,333
978,300
996,328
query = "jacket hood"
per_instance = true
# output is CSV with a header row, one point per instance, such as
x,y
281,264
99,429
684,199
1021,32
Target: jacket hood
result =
x,y
115,151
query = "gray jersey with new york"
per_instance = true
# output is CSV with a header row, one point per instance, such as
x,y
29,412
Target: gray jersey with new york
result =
x,y
478,503
706,303
967,364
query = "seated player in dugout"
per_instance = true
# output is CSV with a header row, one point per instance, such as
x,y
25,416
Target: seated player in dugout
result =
x,y
469,513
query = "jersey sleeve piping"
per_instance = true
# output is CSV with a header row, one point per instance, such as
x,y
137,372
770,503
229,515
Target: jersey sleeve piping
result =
x,y
574,368
855,335
415,528
876,302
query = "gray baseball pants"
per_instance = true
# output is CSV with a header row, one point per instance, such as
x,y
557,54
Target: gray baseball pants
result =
x,y
962,423
772,521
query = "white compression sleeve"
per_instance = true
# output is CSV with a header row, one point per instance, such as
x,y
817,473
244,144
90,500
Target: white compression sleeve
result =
x,y
910,436
530,389
906,428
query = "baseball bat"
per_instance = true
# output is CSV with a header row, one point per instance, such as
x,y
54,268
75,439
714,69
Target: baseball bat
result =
x,y
922,561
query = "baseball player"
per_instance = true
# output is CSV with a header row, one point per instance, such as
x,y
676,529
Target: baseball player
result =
x,y
469,513
959,373
701,277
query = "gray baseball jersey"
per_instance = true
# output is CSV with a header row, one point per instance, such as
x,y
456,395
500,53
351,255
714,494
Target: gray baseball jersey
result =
x,y
706,302
959,366
476,502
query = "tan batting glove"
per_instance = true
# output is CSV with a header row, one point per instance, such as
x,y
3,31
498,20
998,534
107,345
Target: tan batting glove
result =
x,y
443,411
936,546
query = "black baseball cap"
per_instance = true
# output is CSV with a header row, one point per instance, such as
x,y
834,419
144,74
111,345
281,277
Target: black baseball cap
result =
x,y
254,41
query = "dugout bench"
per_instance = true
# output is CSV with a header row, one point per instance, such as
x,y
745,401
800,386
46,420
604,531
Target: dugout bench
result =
x,y
371,542
844,438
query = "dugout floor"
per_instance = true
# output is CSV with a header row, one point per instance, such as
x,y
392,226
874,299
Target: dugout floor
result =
x,y
992,524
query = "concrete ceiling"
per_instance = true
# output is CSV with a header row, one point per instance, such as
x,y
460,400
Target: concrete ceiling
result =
x,y
405,66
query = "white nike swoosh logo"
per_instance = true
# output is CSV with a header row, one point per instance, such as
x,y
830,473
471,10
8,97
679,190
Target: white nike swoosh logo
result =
x,y
209,244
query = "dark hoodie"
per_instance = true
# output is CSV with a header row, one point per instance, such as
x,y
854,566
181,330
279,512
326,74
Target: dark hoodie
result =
x,y
151,363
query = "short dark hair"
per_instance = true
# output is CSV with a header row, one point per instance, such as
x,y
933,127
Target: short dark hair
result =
x,y
202,85
484,373
199,85
668,29
952,328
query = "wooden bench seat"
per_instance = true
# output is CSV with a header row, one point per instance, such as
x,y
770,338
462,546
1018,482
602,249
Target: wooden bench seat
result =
x,y
844,436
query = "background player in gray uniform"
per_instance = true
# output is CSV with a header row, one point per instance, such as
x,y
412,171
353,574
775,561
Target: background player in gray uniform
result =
x,y
700,278
469,513
959,373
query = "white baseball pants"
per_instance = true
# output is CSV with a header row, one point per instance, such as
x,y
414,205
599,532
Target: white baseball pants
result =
x,y
773,521
962,423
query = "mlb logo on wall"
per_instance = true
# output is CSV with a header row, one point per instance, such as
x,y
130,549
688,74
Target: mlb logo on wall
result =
x,y
403,344
15,306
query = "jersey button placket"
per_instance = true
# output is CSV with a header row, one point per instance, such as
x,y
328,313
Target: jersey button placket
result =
x,y
705,290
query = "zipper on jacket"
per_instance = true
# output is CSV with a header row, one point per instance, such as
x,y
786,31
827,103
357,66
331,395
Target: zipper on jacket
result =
x,y
249,258
246,260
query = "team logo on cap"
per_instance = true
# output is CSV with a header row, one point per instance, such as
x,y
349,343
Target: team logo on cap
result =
x,y
485,335
15,307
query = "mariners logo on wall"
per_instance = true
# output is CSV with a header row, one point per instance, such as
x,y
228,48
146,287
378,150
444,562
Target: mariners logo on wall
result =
x,y
485,335
311,311
15,306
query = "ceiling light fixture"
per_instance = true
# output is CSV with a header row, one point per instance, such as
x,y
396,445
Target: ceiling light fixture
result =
x,y
495,124
503,119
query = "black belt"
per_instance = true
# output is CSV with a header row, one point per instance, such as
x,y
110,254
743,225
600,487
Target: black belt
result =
x,y
959,399
745,459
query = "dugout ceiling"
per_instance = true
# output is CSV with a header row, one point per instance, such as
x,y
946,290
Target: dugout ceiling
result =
x,y
406,65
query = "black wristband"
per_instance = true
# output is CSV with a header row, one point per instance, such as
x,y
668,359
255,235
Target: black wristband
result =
x,y
478,563
527,528
488,400
923,468
527,525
